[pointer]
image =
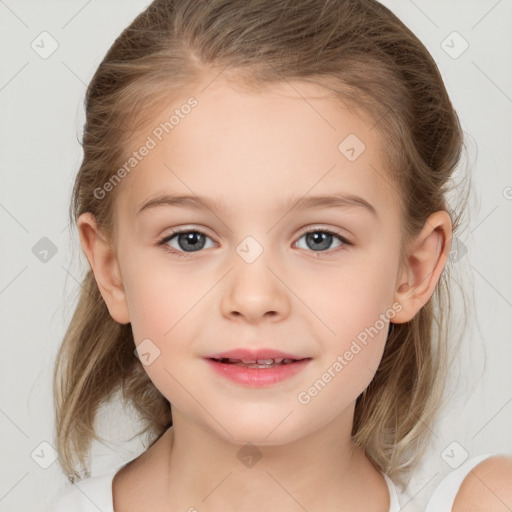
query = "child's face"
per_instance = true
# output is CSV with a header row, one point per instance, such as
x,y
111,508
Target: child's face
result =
x,y
251,155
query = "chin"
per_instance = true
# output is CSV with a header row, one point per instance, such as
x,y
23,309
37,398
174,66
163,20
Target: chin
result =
x,y
262,430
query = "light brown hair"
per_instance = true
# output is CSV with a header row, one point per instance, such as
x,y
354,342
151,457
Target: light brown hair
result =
x,y
372,62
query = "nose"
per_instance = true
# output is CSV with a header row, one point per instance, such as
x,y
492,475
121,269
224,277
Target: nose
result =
x,y
255,291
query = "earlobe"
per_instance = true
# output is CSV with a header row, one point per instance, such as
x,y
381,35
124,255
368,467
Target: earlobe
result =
x,y
427,258
103,262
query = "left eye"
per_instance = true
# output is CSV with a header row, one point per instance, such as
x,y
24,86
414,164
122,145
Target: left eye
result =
x,y
190,241
322,238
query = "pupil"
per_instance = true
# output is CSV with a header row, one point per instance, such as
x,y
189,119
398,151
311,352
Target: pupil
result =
x,y
193,239
320,240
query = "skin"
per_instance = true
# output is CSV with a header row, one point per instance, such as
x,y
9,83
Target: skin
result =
x,y
487,487
252,152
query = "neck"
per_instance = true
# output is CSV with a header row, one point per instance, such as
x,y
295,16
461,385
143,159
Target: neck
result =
x,y
322,470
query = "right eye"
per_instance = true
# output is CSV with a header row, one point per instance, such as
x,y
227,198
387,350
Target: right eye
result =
x,y
187,241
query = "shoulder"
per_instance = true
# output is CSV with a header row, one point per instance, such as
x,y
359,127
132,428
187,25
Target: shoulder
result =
x,y
487,487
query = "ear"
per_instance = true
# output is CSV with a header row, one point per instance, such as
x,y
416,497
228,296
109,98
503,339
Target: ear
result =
x,y
103,263
427,256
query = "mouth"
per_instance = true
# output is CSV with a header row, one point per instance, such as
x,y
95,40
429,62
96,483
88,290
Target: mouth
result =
x,y
251,355
257,363
257,373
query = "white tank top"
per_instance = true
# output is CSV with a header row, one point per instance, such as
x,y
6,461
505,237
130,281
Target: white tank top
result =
x,y
94,494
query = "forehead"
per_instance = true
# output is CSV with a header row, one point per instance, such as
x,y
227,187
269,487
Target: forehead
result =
x,y
254,149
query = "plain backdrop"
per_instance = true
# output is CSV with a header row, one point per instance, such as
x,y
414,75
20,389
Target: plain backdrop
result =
x,y
41,100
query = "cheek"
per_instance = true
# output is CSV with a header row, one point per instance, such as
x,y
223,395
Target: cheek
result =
x,y
353,298
162,312
167,312
355,314
347,365
160,299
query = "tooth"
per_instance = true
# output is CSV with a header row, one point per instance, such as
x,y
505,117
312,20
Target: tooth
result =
x,y
278,361
265,361
248,361
233,360
286,361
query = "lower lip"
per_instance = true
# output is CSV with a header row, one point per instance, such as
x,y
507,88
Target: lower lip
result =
x,y
258,377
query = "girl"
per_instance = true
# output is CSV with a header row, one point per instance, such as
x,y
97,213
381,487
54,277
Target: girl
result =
x,y
262,206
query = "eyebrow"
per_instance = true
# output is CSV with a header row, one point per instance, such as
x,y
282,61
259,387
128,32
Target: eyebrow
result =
x,y
298,204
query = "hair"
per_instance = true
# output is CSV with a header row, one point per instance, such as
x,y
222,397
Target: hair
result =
x,y
372,63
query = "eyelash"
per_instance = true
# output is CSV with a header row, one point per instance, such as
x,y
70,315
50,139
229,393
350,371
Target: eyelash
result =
x,y
183,254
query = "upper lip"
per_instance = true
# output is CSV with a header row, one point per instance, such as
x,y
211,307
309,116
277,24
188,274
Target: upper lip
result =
x,y
254,355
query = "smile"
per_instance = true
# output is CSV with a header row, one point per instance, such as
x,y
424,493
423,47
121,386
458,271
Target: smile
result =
x,y
257,373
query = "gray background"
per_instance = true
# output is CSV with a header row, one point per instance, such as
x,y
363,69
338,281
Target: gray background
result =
x,y
41,101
